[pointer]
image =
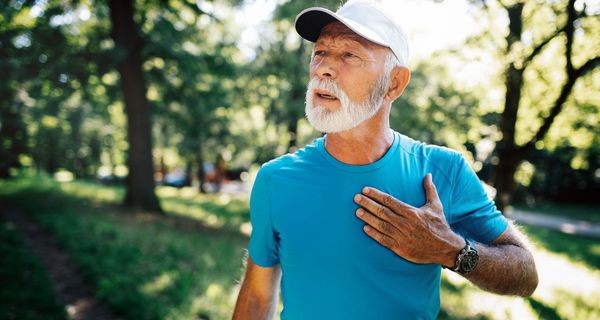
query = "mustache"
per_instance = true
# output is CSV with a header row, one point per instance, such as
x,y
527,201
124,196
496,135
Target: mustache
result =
x,y
326,85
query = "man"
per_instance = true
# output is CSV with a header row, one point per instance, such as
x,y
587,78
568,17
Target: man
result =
x,y
358,224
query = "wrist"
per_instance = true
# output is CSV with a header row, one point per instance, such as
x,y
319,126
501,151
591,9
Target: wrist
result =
x,y
466,260
454,248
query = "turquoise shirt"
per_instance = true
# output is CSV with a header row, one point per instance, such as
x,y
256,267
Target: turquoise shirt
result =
x,y
303,217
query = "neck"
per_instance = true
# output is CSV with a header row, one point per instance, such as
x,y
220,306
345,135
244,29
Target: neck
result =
x,y
364,144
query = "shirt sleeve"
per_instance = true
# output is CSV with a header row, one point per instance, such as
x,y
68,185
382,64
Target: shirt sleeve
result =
x,y
263,247
474,215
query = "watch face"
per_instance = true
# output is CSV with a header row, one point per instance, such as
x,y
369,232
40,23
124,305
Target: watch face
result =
x,y
469,261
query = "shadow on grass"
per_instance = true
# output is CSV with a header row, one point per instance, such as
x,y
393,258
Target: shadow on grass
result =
x,y
543,311
577,248
577,307
26,291
142,266
457,304
227,216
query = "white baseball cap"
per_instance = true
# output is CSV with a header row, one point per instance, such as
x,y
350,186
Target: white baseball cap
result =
x,y
363,17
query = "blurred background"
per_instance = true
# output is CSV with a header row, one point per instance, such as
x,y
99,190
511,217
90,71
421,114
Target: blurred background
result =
x,y
131,132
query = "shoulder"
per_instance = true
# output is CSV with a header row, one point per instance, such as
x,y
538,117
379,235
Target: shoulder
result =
x,y
440,161
303,157
429,152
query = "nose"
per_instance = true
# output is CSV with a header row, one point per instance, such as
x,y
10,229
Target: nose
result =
x,y
324,68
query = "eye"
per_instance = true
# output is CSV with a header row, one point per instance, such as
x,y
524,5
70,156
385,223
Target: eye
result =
x,y
317,56
351,59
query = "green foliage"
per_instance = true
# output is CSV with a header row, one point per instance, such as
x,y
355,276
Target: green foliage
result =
x,y
27,292
61,108
54,68
61,105
281,70
434,110
566,175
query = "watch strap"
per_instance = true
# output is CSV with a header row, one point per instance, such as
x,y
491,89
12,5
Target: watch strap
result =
x,y
465,253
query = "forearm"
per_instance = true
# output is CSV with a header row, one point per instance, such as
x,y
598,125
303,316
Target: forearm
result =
x,y
259,294
252,307
505,269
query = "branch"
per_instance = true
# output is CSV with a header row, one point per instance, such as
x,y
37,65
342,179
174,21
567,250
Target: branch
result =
x,y
502,4
558,104
569,31
541,46
568,28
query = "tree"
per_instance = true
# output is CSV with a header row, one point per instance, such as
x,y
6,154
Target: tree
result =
x,y
510,154
288,61
140,182
190,76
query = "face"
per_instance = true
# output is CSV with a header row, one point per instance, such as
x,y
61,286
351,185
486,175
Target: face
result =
x,y
348,82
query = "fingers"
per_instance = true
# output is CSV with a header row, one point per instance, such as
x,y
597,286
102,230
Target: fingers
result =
x,y
378,216
385,200
430,190
382,211
383,239
382,225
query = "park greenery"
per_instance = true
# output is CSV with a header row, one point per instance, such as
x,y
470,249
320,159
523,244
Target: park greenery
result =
x,y
138,89
128,92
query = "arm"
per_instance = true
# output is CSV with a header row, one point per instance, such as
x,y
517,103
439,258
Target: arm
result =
x,y
422,235
506,266
259,294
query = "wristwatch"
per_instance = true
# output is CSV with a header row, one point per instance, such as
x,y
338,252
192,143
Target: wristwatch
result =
x,y
467,259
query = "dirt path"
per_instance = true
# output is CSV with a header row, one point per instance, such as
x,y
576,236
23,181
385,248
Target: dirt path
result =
x,y
558,223
76,295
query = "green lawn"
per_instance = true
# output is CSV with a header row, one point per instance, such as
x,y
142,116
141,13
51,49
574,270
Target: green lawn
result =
x,y
187,264
25,291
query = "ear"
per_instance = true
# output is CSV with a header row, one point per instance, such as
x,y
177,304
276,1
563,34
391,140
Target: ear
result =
x,y
399,78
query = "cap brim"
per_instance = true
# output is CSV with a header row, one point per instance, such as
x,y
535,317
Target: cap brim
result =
x,y
311,21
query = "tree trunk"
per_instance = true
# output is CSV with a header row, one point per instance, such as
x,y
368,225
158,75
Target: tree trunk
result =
x,y
293,132
298,92
200,172
79,166
503,176
163,168
140,181
52,140
509,153
188,173
13,139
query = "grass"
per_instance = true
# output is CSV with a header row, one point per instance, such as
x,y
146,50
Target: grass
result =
x,y
141,266
569,286
580,250
146,267
19,270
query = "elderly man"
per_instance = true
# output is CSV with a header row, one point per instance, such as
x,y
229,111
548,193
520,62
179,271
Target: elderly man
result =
x,y
359,224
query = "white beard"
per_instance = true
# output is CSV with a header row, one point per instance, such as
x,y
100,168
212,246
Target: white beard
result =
x,y
350,114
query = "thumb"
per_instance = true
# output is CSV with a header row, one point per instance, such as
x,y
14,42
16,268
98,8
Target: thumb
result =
x,y
430,190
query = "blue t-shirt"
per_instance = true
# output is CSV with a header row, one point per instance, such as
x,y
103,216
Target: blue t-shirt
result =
x,y
303,217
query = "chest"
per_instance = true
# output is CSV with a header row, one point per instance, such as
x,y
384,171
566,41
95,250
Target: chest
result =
x,y
314,217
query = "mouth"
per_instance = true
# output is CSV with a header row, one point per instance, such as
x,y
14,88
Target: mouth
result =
x,y
325,95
